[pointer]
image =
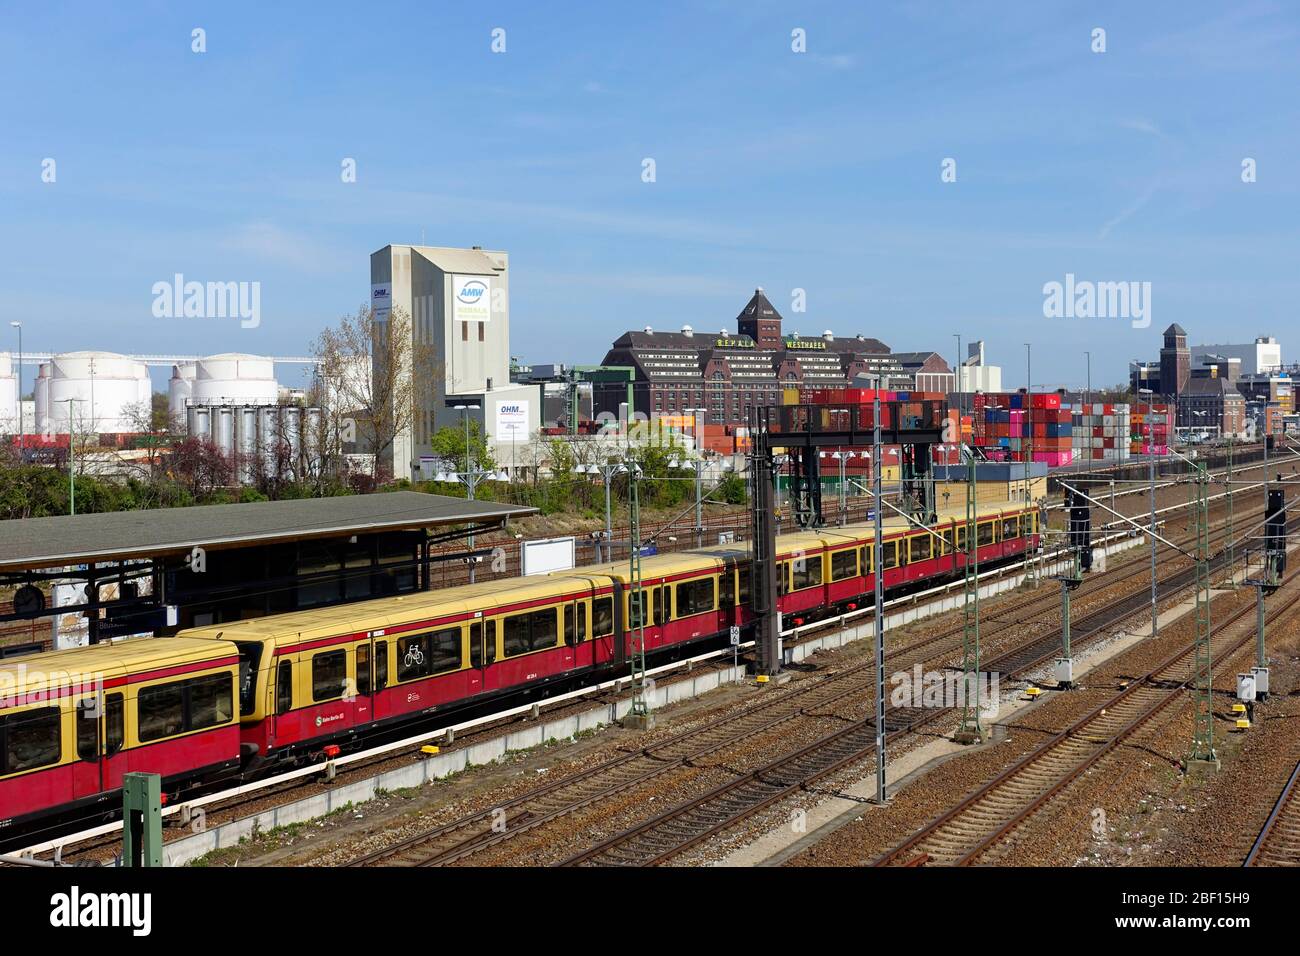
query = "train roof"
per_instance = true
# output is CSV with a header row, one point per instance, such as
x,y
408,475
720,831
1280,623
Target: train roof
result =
x,y
380,613
81,665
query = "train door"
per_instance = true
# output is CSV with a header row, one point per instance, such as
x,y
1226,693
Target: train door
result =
x,y
99,725
283,699
474,683
380,702
482,655
365,701
575,635
88,771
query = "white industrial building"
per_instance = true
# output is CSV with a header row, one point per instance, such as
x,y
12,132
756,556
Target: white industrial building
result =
x,y
9,395
230,378
1262,355
458,302
974,375
95,392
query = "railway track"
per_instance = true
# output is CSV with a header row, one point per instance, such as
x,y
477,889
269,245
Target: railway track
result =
x,y
988,816
684,826
1278,843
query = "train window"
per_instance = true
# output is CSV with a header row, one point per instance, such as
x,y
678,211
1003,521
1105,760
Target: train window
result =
x,y
329,673
889,555
424,654
961,538
570,626
250,656
446,650
208,701
476,644
602,616
88,728
490,646
582,620
529,632
727,588
636,599
694,597
160,711
30,739
165,710
807,572
744,575
114,723
985,535
660,616
363,668
919,547
782,577
284,688
1010,528
946,534
867,557
381,665
844,564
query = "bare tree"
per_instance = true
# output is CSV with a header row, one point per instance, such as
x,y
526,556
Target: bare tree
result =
x,y
375,377
150,424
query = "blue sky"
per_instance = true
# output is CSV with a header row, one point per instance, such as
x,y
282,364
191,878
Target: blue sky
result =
x,y
818,171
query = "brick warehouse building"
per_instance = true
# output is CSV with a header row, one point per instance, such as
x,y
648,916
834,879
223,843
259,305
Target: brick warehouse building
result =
x,y
727,374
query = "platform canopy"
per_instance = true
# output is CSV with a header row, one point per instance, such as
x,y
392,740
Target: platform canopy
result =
x,y
32,543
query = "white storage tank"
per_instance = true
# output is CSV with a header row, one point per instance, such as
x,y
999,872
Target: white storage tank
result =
x,y
9,395
233,378
180,389
103,388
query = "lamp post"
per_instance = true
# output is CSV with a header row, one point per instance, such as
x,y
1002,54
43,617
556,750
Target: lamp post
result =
x,y
961,403
878,592
18,390
1087,407
607,471
696,465
843,457
72,459
1029,394
470,478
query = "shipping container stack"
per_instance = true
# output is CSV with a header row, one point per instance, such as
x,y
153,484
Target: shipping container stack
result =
x,y
1018,426
1149,429
1102,432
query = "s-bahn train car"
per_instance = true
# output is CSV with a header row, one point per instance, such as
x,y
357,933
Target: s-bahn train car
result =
x,y
73,722
247,696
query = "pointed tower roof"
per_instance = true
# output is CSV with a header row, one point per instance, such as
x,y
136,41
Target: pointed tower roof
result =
x,y
758,307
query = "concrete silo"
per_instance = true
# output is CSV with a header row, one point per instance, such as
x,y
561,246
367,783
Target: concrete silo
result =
x,y
180,389
233,378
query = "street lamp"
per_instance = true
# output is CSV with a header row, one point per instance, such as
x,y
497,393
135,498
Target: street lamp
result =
x,y
471,477
607,471
696,465
72,459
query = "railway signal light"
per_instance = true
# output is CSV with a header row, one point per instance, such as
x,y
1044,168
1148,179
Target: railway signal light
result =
x,y
1080,531
1275,532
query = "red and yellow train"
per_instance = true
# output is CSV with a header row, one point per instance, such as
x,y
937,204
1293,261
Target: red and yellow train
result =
x,y
237,699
